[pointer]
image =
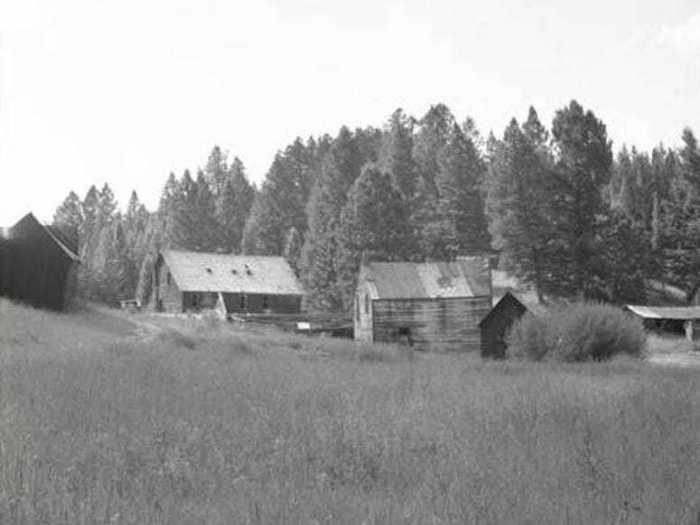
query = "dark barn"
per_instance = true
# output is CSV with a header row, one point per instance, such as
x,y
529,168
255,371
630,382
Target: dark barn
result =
x,y
229,284
431,306
497,323
38,264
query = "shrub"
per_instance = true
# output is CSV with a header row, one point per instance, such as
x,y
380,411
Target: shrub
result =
x,y
578,332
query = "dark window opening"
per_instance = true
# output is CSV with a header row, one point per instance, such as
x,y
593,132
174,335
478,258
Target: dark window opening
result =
x,y
265,302
160,305
404,335
357,306
195,300
367,304
242,302
168,278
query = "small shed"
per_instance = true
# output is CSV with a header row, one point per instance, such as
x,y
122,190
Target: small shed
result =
x,y
497,324
678,319
38,264
430,306
186,281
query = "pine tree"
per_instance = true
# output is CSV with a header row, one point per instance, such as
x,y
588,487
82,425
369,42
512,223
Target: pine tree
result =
x,y
216,171
518,198
373,224
396,156
458,182
69,217
582,171
340,169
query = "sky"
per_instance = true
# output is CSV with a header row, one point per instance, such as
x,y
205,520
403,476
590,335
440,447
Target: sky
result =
x,y
127,91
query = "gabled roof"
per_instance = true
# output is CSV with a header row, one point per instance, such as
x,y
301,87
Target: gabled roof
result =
x,y
66,246
214,272
508,298
678,313
466,277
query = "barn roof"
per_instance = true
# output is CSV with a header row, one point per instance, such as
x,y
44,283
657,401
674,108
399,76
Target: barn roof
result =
x,y
213,272
466,277
680,313
66,246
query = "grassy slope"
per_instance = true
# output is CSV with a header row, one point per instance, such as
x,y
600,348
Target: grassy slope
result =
x,y
204,424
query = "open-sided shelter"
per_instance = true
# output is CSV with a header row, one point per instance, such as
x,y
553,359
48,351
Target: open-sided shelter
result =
x,y
232,284
679,319
38,264
431,306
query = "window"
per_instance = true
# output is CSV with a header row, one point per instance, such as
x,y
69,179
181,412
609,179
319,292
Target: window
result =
x,y
195,300
265,302
242,302
168,278
357,306
367,304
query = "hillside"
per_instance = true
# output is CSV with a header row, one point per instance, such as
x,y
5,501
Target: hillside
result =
x,y
134,419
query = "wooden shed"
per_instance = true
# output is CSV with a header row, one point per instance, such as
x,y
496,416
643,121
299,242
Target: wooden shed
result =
x,y
497,324
430,306
38,264
674,319
230,284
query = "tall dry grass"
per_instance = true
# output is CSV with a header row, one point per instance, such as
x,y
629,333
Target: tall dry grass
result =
x,y
210,424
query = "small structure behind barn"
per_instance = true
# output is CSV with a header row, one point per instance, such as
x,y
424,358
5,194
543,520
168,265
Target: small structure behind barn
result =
x,y
497,324
38,264
229,284
430,306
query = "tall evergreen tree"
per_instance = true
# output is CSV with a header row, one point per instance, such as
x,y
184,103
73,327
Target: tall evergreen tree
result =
x,y
373,224
519,193
584,160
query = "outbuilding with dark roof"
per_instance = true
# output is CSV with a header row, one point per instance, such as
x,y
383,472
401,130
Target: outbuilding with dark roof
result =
x,y
192,281
432,305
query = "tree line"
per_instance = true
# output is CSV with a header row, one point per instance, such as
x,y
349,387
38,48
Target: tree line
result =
x,y
553,204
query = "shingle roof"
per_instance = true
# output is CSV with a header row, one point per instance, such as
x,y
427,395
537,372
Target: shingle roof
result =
x,y
682,313
467,277
213,272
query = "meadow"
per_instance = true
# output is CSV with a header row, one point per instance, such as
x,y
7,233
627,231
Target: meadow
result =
x,y
119,419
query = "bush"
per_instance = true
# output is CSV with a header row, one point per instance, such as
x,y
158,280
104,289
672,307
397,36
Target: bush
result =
x,y
578,332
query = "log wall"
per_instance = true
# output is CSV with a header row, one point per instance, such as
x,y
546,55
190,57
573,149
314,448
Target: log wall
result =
x,y
442,324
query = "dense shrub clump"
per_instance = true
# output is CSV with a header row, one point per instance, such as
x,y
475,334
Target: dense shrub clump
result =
x,y
577,332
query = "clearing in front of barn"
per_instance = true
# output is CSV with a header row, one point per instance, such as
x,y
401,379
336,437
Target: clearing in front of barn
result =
x,y
209,423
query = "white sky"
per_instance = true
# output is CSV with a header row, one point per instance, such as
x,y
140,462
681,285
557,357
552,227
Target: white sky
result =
x,y
126,91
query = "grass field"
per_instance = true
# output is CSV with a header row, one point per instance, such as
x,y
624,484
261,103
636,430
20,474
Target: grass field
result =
x,y
103,420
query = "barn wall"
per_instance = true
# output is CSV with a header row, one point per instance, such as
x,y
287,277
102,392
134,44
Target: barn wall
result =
x,y
362,316
168,296
261,303
435,324
35,270
197,301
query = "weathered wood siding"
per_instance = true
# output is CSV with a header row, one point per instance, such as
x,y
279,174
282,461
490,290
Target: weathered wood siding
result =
x,y
362,315
441,324
168,297
495,327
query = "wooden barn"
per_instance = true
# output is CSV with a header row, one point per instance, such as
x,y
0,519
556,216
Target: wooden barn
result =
x,y
38,264
497,323
430,306
230,284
